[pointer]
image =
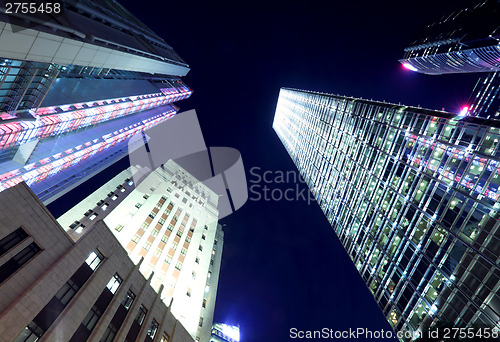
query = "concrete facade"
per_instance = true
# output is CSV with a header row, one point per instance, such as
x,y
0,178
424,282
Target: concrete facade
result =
x,y
35,285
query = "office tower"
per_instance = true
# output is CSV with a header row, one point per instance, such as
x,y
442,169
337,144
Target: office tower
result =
x,y
170,220
74,87
225,333
466,40
413,195
55,289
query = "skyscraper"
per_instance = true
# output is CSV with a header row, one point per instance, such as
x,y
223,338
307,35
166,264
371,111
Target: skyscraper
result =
x,y
413,195
75,85
56,289
466,40
170,220
222,332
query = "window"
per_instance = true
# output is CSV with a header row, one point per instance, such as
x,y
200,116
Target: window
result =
x,y
136,238
88,213
164,197
170,227
153,328
200,248
17,261
157,252
109,334
13,239
168,259
114,197
161,221
184,200
203,237
155,232
193,275
74,224
66,293
165,337
178,265
188,239
204,305
147,246
119,227
183,251
164,238
141,315
138,205
105,206
114,283
179,233
188,293
94,259
174,245
128,300
93,216
31,333
197,260
122,189
145,196
152,215
206,227
92,318
145,226
201,322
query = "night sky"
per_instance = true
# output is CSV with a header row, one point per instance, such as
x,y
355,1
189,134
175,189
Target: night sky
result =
x,y
283,266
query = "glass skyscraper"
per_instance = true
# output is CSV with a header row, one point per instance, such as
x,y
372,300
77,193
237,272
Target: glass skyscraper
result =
x,y
75,85
413,195
465,40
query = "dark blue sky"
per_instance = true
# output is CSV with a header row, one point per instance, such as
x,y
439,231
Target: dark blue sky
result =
x,y
283,266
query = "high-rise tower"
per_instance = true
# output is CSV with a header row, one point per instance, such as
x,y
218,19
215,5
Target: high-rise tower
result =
x,y
464,41
413,195
75,85
170,220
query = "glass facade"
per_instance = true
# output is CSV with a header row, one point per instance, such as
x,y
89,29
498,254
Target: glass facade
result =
x,y
412,195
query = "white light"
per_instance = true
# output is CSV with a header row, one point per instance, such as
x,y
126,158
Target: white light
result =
x,y
409,67
232,332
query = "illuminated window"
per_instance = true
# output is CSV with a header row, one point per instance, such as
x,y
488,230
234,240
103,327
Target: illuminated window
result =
x,y
141,315
128,300
94,259
114,283
153,328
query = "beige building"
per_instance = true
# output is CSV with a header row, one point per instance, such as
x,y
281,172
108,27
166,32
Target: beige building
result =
x,y
55,289
170,221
